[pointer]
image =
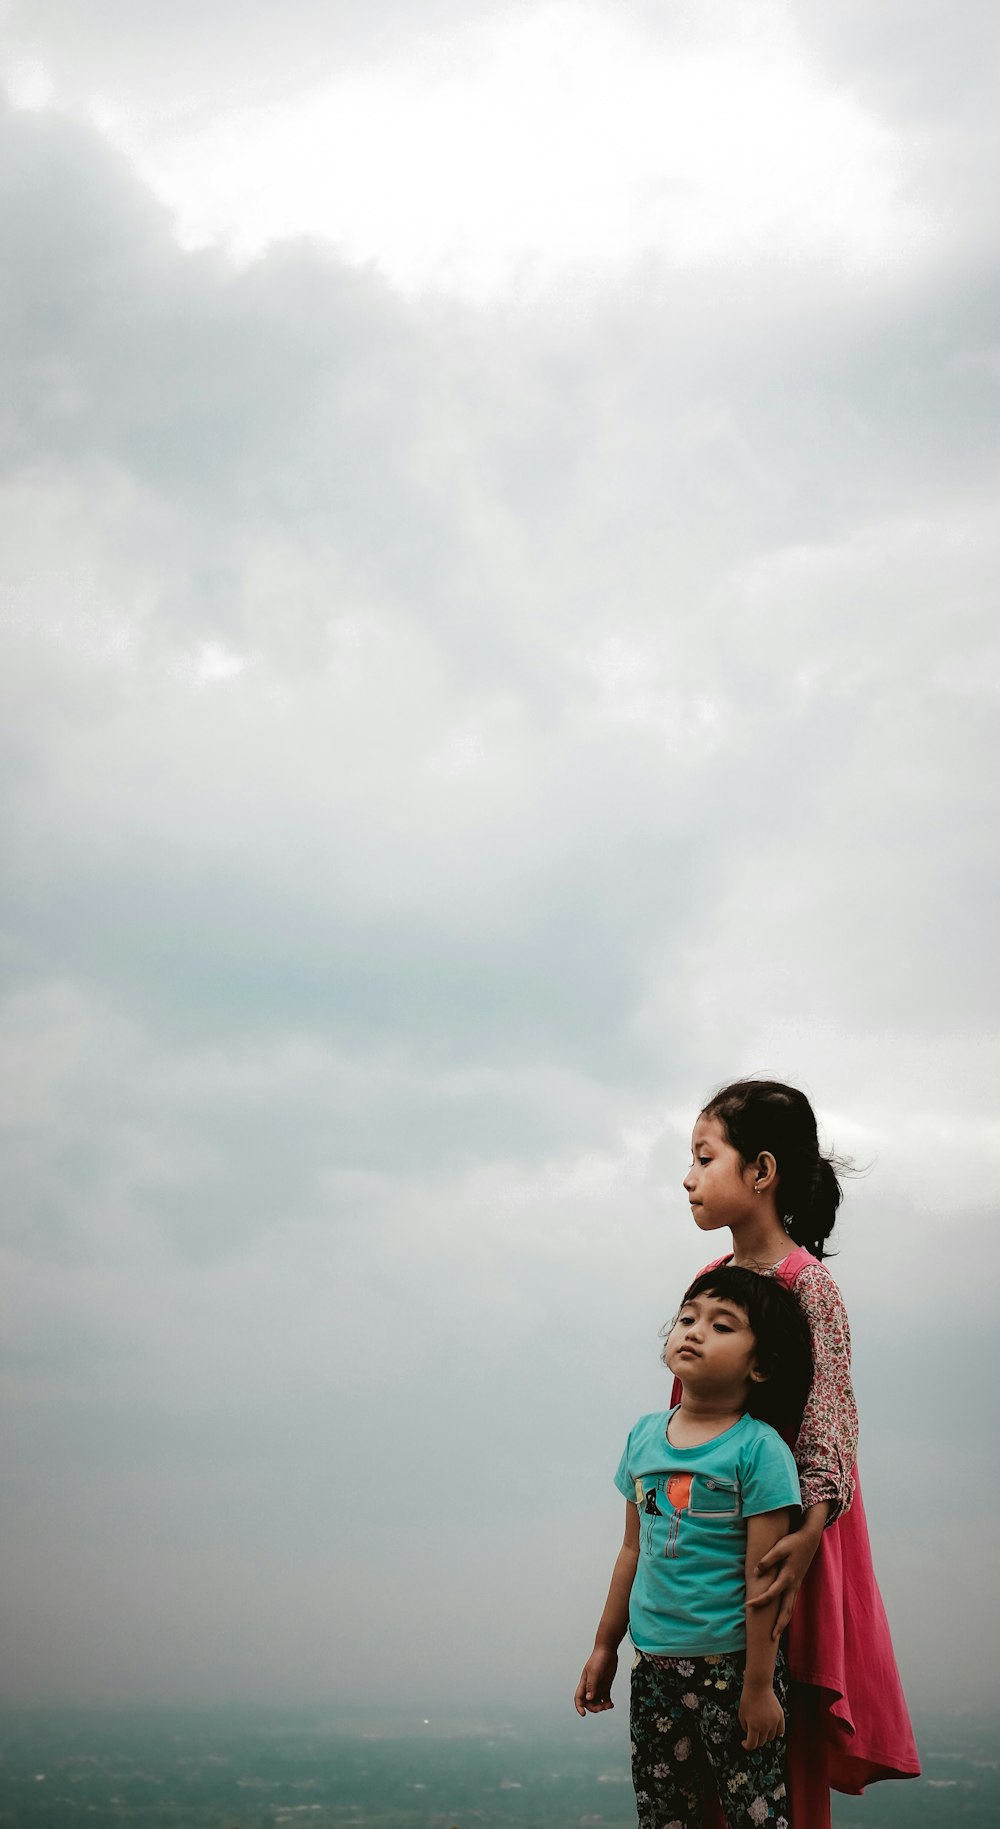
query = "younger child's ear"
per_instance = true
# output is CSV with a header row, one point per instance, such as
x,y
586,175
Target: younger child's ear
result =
x,y
758,1377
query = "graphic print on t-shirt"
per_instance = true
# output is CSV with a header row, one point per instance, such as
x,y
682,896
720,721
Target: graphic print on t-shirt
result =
x,y
678,1490
679,1494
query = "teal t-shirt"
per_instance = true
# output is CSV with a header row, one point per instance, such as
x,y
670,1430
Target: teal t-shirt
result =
x,y
689,1590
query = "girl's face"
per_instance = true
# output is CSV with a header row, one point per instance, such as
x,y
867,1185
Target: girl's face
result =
x,y
711,1348
719,1185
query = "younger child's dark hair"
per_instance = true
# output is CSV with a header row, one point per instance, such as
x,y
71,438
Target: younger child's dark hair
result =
x,y
759,1115
784,1344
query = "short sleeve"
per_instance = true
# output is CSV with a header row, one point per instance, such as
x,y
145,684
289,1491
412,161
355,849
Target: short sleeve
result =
x,y
827,1444
768,1477
623,1479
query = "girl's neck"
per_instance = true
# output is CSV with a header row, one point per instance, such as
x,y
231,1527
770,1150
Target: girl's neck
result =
x,y
694,1422
761,1241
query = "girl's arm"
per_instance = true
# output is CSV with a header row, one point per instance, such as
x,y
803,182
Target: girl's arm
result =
x,y
786,1565
826,1448
827,1444
761,1715
593,1692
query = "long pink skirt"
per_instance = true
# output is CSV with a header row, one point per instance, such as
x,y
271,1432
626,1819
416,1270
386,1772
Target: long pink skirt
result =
x,y
849,1721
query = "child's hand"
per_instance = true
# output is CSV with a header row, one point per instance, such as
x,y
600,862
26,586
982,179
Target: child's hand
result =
x,y
593,1692
761,1715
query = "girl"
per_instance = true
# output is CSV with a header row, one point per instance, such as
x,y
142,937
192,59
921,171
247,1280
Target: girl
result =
x,y
709,1489
757,1170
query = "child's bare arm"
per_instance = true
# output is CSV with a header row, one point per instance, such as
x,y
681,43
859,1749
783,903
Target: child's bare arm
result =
x,y
593,1692
787,1565
760,1711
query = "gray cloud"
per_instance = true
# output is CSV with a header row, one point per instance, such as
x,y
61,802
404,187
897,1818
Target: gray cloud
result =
x,y
233,51
441,744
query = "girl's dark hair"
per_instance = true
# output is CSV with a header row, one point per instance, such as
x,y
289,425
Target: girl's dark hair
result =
x,y
781,1333
761,1115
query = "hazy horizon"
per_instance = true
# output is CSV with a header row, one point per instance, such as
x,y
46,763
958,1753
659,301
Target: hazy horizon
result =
x,y
205,1769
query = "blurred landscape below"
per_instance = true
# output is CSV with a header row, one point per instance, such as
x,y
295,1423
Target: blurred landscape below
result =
x,y
256,1769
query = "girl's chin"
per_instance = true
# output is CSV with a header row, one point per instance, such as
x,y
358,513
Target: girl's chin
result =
x,y
704,1222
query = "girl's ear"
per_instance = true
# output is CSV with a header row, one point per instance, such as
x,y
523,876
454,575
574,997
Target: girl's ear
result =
x,y
757,1376
765,1172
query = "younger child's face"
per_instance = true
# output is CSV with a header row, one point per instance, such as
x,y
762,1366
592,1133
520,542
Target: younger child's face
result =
x,y
719,1185
712,1349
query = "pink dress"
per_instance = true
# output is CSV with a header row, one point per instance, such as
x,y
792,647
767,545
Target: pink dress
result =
x,y
848,1720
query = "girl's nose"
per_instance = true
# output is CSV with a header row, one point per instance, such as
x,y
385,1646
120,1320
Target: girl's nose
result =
x,y
688,1182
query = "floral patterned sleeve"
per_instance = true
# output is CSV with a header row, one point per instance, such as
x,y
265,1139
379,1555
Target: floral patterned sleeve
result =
x,y
827,1444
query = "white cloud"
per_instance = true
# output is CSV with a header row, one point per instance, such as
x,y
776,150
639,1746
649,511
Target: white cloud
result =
x,y
29,85
535,150
214,664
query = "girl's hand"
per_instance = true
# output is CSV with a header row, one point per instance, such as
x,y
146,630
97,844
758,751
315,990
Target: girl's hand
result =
x,y
761,1715
789,1559
593,1692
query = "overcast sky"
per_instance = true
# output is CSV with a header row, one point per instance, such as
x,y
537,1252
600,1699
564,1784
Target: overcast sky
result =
x,y
499,635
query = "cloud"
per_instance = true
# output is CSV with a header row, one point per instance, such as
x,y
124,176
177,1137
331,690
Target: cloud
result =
x,y
232,49
532,148
443,739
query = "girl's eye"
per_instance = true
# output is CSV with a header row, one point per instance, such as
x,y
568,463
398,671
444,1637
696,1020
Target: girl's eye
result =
x,y
704,1161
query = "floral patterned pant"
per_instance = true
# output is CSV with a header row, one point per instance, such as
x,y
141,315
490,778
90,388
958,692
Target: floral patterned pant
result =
x,y
686,1744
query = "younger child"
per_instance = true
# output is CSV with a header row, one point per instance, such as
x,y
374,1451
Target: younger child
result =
x,y
710,1487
